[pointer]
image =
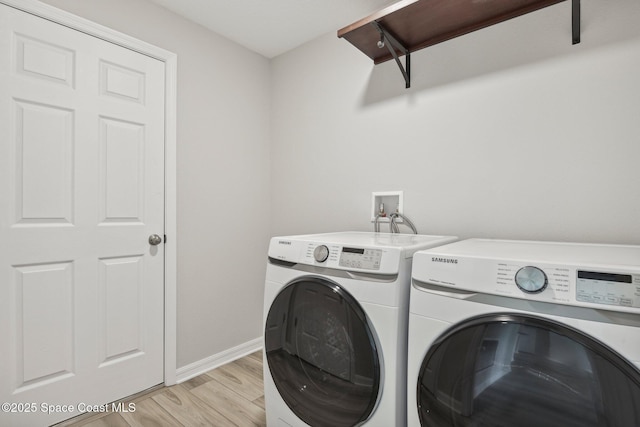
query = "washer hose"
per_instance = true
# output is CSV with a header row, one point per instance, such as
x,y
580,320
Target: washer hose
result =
x,y
394,227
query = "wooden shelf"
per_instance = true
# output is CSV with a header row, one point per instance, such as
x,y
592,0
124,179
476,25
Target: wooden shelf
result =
x,y
417,24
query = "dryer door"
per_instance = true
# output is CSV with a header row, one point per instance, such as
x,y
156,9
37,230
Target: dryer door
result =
x,y
322,354
519,370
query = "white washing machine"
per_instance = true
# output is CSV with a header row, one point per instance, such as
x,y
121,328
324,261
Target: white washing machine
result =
x,y
335,315
511,333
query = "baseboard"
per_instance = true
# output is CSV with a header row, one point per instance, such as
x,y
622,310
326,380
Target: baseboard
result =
x,y
201,366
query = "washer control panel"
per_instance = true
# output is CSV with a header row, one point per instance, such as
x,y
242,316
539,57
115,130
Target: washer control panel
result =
x,y
599,287
366,259
349,258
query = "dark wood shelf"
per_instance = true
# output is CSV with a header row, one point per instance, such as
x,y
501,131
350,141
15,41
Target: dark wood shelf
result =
x,y
417,24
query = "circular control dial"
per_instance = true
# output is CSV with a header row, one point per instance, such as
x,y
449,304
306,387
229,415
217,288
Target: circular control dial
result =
x,y
321,253
531,279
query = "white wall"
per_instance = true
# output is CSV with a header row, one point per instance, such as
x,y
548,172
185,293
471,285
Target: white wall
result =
x,y
509,132
223,173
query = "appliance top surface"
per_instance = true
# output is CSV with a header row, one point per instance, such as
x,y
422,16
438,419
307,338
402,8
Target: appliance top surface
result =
x,y
371,239
550,252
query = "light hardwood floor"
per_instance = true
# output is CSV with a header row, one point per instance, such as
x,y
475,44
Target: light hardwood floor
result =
x,y
231,395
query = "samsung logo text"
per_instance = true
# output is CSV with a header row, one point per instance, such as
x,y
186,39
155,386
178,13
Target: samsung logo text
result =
x,y
444,260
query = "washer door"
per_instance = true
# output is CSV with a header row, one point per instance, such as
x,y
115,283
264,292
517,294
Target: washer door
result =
x,y
322,353
516,370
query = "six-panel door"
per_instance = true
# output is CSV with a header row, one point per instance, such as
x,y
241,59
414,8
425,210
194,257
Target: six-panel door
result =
x,y
81,191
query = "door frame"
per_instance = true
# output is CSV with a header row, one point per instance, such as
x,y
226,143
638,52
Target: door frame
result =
x,y
170,60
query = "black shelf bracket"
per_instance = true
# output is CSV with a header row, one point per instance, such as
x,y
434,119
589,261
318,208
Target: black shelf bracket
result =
x,y
575,20
393,44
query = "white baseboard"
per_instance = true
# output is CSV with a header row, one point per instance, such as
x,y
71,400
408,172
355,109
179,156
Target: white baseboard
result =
x,y
208,363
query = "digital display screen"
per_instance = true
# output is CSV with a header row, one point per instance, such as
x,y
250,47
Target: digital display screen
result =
x,y
364,259
607,277
353,250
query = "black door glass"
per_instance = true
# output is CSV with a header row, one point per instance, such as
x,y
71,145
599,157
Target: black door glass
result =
x,y
524,371
322,354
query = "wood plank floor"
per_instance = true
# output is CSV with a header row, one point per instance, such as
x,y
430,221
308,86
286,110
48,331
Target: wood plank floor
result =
x,y
231,395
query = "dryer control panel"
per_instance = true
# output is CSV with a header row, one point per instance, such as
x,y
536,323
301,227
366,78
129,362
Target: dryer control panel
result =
x,y
608,288
586,275
556,286
591,287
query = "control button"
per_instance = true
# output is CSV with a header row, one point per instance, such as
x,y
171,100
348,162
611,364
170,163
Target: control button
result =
x,y
531,279
321,253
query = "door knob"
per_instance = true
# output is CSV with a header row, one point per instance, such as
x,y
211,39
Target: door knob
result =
x,y
154,239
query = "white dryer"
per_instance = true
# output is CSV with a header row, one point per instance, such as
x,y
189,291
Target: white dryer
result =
x,y
512,333
335,316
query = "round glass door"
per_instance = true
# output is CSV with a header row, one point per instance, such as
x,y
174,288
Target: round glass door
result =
x,y
322,354
514,370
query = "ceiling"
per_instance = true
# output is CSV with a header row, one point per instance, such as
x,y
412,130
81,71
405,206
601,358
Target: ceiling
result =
x,y
272,27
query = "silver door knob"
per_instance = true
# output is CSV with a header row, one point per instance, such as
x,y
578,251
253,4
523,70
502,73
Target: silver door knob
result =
x,y
154,239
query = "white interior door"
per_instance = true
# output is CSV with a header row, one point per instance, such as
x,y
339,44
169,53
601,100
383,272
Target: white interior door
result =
x,y
81,191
